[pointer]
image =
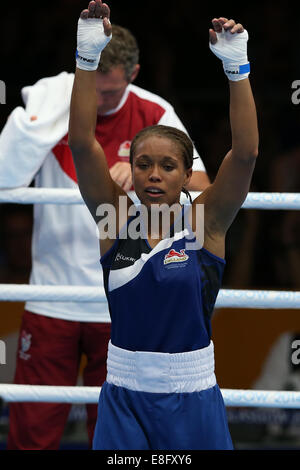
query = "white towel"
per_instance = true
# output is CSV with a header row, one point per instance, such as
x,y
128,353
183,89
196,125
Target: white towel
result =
x,y
25,143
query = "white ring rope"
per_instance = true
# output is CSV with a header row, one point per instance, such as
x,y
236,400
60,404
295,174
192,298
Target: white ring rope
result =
x,y
77,395
270,201
227,298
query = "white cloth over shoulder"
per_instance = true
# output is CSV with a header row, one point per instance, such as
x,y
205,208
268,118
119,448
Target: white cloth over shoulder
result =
x,y
25,143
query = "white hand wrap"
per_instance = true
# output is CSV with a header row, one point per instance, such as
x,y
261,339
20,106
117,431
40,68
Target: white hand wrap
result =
x,y
91,40
232,50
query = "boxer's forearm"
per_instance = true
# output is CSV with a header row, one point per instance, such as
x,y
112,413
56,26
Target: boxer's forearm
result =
x,y
83,109
243,120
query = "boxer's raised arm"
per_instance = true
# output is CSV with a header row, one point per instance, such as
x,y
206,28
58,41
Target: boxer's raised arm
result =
x,y
94,179
224,197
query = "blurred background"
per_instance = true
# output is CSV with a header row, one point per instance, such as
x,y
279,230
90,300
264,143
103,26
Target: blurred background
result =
x,y
263,252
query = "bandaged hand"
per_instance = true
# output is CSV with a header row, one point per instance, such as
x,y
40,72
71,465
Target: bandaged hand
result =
x,y
228,41
93,33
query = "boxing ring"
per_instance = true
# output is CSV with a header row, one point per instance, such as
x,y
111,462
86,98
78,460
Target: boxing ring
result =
x,y
227,298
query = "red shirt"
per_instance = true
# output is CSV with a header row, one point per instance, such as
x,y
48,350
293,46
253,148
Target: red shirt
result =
x,y
115,131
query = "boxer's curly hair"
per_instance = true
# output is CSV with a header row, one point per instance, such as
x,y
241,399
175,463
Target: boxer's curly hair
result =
x,y
180,139
121,50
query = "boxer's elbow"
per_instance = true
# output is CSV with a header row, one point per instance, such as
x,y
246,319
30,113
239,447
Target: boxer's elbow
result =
x,y
79,145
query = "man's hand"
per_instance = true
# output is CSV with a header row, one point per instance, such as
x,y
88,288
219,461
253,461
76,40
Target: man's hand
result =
x,y
121,174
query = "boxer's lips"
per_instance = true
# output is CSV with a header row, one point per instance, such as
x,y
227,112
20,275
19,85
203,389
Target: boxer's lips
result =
x,y
154,191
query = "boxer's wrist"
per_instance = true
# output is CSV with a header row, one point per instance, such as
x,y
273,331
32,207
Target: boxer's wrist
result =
x,y
91,40
236,72
85,61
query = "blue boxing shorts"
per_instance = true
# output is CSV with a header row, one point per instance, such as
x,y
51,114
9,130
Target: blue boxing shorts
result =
x,y
160,401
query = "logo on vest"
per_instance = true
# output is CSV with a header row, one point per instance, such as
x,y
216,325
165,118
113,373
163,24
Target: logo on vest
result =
x,y
124,149
25,345
120,257
175,257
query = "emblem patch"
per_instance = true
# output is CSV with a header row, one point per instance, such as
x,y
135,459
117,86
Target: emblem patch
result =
x,y
124,149
175,257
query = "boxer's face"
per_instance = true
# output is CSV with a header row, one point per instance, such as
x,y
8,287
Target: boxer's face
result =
x,y
110,88
158,171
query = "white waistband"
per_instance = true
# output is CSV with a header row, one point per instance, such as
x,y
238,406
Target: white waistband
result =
x,y
161,372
